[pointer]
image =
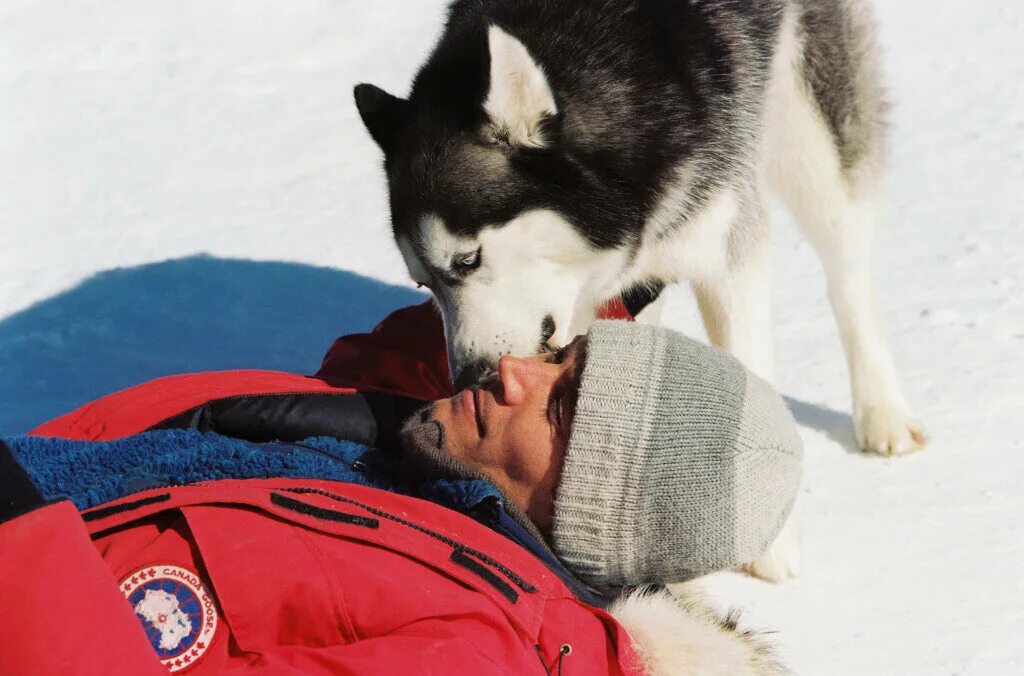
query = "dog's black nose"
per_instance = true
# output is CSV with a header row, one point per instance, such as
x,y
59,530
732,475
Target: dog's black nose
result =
x,y
471,374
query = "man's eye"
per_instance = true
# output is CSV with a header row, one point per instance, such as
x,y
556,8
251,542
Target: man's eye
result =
x,y
554,356
555,411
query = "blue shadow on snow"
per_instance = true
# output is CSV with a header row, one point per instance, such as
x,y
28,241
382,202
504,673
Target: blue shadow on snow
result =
x,y
126,326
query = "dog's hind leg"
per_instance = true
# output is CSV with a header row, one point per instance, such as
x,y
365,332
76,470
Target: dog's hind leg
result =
x,y
651,314
782,559
736,303
736,308
824,133
883,420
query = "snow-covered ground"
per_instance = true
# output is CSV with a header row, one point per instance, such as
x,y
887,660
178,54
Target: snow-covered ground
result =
x,y
136,135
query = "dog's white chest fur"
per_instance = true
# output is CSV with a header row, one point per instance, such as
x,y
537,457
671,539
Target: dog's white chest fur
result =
x,y
694,250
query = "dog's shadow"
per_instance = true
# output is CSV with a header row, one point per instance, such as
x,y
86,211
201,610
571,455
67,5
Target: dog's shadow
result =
x,y
836,425
128,325
125,326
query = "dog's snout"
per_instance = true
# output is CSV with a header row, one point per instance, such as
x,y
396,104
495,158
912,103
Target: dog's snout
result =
x,y
547,330
471,374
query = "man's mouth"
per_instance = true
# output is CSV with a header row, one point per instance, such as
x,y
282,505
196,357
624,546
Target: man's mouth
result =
x,y
471,402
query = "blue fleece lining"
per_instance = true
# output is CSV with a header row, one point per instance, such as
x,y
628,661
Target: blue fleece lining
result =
x,y
460,495
92,473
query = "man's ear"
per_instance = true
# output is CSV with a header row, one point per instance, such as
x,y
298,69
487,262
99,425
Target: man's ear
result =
x,y
383,114
519,101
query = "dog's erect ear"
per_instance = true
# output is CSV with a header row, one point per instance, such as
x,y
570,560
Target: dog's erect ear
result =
x,y
519,101
383,114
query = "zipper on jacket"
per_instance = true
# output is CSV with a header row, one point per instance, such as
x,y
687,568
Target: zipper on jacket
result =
x,y
357,465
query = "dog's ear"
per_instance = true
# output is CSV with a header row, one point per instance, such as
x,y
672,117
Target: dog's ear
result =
x,y
383,114
519,103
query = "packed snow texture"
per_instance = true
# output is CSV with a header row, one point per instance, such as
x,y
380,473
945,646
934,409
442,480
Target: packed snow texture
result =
x,y
187,186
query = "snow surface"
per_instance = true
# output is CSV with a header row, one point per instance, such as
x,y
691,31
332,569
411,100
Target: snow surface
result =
x,y
135,136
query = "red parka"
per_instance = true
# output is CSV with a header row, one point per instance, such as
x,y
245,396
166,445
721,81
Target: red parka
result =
x,y
282,575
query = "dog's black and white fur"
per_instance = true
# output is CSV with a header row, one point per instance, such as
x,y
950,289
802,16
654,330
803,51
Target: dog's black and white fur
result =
x,y
554,154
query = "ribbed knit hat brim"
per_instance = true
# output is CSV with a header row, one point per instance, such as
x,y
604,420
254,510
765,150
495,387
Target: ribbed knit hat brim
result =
x,y
680,462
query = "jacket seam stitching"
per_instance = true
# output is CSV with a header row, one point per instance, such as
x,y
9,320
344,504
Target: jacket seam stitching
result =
x,y
342,615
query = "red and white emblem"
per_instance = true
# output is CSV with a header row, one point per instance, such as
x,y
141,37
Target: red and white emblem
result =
x,y
179,616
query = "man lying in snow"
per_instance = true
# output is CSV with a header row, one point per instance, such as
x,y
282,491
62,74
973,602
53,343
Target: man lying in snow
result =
x,y
262,521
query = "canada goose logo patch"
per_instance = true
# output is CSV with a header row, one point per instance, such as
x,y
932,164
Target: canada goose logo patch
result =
x,y
177,613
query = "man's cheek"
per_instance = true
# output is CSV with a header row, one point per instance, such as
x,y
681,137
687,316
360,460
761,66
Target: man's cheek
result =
x,y
523,449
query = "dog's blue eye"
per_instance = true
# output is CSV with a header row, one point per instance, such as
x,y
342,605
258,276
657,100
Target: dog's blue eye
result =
x,y
467,262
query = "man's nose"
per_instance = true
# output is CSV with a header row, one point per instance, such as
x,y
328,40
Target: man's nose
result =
x,y
518,376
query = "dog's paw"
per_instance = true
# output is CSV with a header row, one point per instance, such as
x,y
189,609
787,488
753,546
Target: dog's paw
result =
x,y
889,430
782,560
774,567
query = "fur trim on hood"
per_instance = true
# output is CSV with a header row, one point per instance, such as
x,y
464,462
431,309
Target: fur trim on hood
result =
x,y
677,634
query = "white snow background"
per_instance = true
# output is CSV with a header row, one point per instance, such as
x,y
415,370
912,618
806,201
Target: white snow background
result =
x,y
187,186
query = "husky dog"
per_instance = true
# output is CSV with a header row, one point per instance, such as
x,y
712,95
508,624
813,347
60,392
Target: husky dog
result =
x,y
554,154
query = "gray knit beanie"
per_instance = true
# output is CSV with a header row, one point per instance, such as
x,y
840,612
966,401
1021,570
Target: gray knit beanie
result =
x,y
680,461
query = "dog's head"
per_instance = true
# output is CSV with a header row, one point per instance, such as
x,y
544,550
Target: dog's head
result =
x,y
491,206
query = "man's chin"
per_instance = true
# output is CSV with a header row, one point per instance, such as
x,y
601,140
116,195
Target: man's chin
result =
x,y
441,411
423,415
424,427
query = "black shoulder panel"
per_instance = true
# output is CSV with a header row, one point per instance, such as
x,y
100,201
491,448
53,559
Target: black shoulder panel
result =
x,y
370,418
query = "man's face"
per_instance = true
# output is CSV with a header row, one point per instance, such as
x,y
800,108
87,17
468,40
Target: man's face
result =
x,y
514,426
